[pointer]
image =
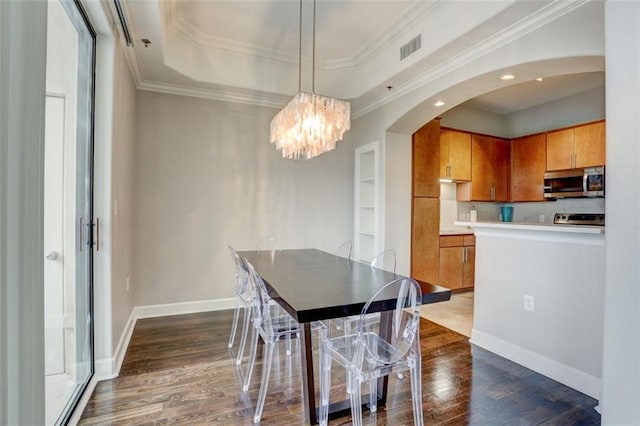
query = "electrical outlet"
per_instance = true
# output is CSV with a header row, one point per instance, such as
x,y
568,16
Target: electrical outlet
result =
x,y
541,218
528,303
128,283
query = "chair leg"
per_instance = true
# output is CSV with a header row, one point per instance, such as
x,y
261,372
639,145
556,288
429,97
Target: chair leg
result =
x,y
373,395
266,370
252,359
416,392
356,403
234,326
288,337
325,384
243,338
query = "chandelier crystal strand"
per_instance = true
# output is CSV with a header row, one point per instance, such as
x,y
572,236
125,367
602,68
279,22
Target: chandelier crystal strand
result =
x,y
310,124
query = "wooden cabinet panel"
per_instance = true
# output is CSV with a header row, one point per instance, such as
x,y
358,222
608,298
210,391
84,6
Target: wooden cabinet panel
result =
x,y
590,145
451,240
469,267
528,164
560,149
425,231
579,146
501,157
481,175
490,164
450,267
455,155
426,160
457,261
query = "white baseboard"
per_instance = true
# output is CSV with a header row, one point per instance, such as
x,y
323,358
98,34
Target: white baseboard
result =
x,y
108,368
152,311
562,373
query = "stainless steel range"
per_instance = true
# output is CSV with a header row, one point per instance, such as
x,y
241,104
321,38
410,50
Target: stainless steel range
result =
x,y
579,219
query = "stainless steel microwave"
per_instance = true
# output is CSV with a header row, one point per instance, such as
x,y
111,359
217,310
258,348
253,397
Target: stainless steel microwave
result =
x,y
574,183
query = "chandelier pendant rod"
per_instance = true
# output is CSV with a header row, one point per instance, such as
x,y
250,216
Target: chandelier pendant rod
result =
x,y
313,52
300,51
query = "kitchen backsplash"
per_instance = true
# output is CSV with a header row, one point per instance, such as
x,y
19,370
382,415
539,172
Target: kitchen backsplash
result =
x,y
451,210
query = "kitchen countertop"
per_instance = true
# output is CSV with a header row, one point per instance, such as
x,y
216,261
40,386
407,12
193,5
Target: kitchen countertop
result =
x,y
459,231
526,226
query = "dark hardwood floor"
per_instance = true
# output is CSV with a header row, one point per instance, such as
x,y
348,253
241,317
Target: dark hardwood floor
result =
x,y
178,370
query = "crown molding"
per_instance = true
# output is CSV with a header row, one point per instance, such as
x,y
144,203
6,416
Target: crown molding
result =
x,y
225,94
173,19
396,30
519,29
393,33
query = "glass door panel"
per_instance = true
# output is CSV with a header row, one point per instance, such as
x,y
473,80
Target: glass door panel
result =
x,y
68,208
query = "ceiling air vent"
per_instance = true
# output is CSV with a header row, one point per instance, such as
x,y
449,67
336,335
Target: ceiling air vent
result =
x,y
410,47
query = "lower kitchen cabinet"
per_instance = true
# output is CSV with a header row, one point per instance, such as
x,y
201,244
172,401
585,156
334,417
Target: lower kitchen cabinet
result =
x,y
457,261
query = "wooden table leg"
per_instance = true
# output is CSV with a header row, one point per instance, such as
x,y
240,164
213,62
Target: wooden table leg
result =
x,y
308,384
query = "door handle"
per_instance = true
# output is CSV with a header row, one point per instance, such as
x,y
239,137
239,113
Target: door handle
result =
x,y
52,255
96,225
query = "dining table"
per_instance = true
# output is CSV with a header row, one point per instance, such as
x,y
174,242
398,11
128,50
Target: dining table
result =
x,y
313,285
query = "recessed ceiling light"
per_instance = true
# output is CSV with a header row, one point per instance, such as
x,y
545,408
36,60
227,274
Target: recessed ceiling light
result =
x,y
539,79
439,103
507,77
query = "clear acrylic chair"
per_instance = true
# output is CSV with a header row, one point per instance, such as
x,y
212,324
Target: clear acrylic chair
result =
x,y
244,297
386,260
368,354
272,325
344,250
267,243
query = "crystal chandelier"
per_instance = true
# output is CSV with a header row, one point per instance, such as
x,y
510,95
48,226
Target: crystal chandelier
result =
x,y
310,124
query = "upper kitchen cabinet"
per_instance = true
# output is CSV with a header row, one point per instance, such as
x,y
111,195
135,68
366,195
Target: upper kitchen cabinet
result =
x,y
455,155
528,164
426,160
579,146
490,164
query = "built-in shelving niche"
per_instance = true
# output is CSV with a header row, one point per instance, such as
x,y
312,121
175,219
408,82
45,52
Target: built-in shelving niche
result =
x,y
367,202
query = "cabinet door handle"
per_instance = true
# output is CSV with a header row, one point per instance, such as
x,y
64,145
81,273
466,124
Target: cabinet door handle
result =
x,y
466,255
462,256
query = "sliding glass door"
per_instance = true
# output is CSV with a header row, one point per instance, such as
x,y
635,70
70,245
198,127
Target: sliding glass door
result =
x,y
68,230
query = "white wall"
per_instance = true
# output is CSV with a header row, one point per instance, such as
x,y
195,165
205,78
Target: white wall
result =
x,y
398,199
621,373
564,112
474,120
561,272
206,177
568,111
124,129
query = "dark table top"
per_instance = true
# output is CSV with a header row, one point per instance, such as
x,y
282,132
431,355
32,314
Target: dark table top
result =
x,y
314,285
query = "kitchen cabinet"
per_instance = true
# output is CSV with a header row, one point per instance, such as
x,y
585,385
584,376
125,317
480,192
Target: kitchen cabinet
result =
x,y
425,229
426,160
457,261
490,164
528,164
425,216
455,155
579,146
